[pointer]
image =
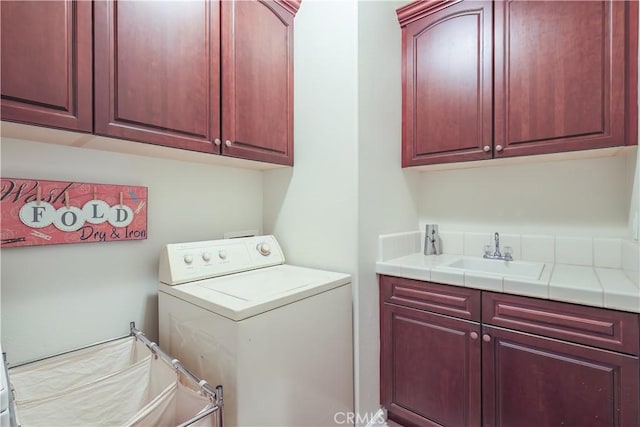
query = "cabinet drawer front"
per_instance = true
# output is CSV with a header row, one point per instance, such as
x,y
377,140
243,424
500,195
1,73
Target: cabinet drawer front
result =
x,y
613,330
450,300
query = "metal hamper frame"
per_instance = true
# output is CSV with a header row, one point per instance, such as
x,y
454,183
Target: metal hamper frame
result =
x,y
213,394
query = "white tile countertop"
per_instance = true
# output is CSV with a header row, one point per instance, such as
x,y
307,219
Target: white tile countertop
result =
x,y
593,285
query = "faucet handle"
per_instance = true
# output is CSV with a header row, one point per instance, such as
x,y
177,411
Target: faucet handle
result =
x,y
508,252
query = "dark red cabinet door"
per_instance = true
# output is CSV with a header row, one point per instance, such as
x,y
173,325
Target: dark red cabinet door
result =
x,y
430,371
560,76
511,78
447,87
46,63
530,381
157,72
257,80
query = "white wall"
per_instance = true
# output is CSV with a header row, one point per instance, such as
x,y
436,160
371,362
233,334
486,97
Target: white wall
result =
x,y
385,199
634,209
347,186
312,208
59,297
634,204
587,197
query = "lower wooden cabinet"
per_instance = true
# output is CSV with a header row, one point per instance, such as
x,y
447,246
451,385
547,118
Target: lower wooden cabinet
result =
x,y
534,381
430,366
439,370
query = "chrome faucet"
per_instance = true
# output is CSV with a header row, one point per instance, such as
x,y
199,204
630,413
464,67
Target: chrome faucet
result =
x,y
432,240
496,253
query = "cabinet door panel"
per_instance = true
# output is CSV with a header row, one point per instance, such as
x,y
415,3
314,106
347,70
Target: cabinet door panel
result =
x,y
534,381
448,85
46,63
559,76
430,368
257,90
157,72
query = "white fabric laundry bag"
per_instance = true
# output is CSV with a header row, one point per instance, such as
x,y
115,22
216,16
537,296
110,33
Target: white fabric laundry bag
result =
x,y
174,406
57,374
120,383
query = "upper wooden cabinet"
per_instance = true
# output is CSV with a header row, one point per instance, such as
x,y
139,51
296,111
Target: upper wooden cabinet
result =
x,y
559,75
157,72
257,80
205,75
46,63
564,78
447,86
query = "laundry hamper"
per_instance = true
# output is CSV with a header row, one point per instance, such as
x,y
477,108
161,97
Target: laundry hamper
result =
x,y
124,382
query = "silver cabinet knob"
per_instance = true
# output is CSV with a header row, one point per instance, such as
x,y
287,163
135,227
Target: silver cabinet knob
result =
x,y
217,142
474,335
227,143
486,338
486,148
498,147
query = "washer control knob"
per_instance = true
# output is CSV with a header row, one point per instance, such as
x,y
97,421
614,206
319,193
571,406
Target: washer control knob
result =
x,y
188,259
222,254
206,256
264,248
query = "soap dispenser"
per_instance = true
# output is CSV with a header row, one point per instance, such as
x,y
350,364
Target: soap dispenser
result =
x,y
432,240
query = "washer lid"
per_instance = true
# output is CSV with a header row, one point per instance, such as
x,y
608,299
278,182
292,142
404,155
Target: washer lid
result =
x,y
242,295
267,284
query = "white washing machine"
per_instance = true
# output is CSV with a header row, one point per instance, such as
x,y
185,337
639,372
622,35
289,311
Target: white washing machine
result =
x,y
277,337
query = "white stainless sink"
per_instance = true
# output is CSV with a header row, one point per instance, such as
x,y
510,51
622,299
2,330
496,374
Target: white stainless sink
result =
x,y
519,269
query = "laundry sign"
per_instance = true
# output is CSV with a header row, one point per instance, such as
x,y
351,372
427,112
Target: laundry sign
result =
x,y
38,212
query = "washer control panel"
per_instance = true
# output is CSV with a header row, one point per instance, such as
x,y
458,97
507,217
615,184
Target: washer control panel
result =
x,y
186,262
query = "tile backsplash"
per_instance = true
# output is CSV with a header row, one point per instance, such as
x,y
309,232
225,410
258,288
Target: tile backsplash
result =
x,y
452,242
574,250
579,251
539,248
395,245
631,259
607,253
475,242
